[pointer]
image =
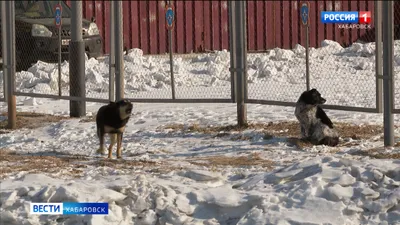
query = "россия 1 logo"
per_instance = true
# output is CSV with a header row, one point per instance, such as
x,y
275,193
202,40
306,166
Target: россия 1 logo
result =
x,y
347,19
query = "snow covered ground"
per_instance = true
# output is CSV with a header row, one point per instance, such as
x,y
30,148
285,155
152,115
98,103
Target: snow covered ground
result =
x,y
346,76
176,171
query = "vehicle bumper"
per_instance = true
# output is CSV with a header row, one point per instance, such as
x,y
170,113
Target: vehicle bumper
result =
x,y
47,48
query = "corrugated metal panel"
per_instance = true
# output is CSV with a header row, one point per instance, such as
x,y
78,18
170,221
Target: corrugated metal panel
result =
x,y
259,17
143,27
302,29
353,32
203,25
188,6
207,25
224,25
345,33
320,27
134,31
152,25
328,6
362,7
198,27
126,7
285,15
313,23
278,23
269,25
162,32
251,27
294,24
216,26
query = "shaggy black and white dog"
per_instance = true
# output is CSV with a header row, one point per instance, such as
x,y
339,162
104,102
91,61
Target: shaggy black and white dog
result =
x,y
111,119
315,125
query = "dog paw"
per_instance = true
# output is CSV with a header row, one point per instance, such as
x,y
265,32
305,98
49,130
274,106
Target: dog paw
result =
x,y
101,151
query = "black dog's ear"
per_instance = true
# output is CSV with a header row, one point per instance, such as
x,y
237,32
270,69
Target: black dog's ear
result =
x,y
320,114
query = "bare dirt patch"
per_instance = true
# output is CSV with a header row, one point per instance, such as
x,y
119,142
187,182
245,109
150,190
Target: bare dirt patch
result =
x,y
253,159
12,162
287,129
69,165
31,120
276,129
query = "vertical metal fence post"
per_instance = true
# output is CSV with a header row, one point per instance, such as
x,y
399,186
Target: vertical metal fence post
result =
x,y
77,62
111,81
119,52
378,55
388,51
9,65
232,44
4,36
171,58
241,61
59,55
308,57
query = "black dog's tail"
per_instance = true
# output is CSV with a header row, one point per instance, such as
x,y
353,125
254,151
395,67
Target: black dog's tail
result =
x,y
330,141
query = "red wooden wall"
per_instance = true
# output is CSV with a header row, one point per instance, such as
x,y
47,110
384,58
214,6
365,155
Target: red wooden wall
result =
x,y
203,25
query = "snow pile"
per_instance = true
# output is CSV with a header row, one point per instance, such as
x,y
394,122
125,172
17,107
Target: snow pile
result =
x,y
328,185
43,77
147,73
327,190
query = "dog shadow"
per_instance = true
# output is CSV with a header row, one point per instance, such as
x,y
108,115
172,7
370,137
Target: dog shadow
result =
x,y
214,149
234,144
53,153
159,135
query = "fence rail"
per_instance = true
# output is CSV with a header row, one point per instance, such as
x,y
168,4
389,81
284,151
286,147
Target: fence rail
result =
x,y
349,76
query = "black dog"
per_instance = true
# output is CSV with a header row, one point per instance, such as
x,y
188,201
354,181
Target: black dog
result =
x,y
314,123
112,119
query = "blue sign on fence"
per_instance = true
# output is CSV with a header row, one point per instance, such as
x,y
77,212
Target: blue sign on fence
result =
x,y
170,16
304,12
57,16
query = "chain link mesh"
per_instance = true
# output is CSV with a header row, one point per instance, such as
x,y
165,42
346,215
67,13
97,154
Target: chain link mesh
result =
x,y
278,72
344,69
37,47
196,76
1,85
396,63
147,76
341,60
35,50
203,76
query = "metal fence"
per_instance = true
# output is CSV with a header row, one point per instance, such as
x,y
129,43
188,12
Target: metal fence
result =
x,y
2,86
347,76
39,70
176,77
396,60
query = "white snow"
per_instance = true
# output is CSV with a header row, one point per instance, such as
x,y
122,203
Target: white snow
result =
x,y
316,185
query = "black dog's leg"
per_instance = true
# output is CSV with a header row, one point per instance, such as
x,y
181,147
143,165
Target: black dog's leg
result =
x,y
119,144
100,134
303,132
323,117
329,141
113,140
